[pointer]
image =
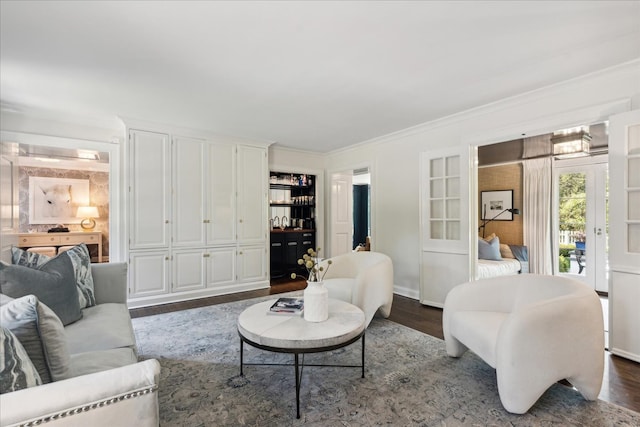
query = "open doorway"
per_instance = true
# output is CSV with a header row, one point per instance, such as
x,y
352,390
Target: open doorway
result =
x,y
78,181
350,211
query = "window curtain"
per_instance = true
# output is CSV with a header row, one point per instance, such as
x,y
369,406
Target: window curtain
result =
x,y
536,207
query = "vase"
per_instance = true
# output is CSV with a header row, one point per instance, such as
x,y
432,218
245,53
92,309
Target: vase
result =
x,y
316,302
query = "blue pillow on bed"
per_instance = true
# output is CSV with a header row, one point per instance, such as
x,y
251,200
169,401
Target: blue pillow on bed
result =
x,y
489,250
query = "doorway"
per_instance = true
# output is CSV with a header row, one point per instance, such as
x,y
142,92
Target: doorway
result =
x,y
582,225
350,210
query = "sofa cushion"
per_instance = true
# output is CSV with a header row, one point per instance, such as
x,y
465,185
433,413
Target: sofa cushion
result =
x,y
103,327
16,369
98,361
53,283
81,261
41,334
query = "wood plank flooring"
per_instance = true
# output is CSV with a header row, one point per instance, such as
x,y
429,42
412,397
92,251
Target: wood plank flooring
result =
x,y
621,384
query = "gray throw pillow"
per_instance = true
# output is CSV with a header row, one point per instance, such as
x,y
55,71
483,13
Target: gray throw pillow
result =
x,y
16,369
81,261
53,283
489,250
41,334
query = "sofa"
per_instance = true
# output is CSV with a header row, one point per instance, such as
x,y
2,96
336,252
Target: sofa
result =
x,y
533,329
364,279
105,384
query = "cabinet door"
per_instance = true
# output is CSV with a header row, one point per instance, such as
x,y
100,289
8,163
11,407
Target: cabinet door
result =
x,y
221,192
252,265
149,190
277,265
189,159
292,252
148,273
221,266
252,194
188,270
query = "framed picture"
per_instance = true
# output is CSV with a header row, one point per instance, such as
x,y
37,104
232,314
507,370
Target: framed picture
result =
x,y
493,204
55,200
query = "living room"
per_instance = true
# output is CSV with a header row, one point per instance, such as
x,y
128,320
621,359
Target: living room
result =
x,y
314,125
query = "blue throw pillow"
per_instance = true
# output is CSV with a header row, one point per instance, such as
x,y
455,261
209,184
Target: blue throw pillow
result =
x,y
489,250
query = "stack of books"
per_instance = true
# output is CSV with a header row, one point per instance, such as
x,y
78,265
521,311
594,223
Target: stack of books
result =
x,y
287,306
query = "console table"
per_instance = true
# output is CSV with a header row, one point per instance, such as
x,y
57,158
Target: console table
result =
x,y
32,240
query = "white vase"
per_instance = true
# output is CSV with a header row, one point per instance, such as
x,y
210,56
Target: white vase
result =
x,y
316,302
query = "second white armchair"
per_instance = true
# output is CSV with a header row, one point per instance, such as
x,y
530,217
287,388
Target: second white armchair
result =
x,y
364,279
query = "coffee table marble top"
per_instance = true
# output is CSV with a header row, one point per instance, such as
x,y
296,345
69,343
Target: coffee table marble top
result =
x,y
292,332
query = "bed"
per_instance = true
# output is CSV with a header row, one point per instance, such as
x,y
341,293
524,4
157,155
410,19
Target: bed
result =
x,y
499,259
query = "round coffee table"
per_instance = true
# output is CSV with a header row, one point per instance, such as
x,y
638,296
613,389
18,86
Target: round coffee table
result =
x,y
284,333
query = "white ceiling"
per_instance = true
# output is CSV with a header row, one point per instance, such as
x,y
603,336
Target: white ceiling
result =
x,y
312,75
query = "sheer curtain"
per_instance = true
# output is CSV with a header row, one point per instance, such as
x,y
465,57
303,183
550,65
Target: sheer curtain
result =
x,y
536,206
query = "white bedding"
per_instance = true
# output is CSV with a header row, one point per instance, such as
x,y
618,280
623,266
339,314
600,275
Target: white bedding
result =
x,y
488,268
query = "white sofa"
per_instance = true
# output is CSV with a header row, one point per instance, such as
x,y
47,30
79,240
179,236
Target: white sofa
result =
x,y
364,279
108,387
534,330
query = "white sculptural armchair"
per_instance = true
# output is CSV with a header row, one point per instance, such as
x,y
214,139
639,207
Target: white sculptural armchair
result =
x,y
364,279
534,330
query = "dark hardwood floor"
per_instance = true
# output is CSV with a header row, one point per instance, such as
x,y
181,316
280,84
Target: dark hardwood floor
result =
x,y
621,384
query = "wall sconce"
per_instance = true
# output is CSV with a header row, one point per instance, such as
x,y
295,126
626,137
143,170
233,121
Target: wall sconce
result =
x,y
567,146
87,213
483,227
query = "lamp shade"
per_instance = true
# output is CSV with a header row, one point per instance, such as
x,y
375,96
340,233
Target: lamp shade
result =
x,y
87,212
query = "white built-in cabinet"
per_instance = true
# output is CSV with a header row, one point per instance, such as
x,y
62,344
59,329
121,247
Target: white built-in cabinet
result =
x,y
197,217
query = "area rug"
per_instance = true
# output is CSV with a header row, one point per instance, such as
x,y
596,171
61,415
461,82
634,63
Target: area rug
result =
x,y
409,381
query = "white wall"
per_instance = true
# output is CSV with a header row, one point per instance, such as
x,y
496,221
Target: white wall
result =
x,y
395,158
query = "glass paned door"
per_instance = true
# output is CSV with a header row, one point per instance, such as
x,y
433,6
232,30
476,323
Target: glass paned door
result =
x,y
582,223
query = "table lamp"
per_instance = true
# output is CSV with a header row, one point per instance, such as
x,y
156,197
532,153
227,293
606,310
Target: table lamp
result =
x,y
87,213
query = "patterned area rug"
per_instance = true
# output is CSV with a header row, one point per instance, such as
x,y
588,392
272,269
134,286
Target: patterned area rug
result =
x,y
410,381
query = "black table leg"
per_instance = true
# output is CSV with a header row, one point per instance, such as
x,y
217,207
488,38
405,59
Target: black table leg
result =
x,y
297,387
363,355
241,356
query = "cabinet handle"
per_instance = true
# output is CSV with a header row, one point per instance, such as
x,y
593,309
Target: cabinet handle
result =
x,y
240,253
206,255
240,221
307,242
166,258
206,221
166,221
292,243
276,244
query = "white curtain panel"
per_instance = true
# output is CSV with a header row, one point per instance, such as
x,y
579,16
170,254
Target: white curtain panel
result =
x,y
536,214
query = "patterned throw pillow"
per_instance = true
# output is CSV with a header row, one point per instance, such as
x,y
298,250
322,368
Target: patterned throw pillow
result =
x,y
41,334
52,282
17,370
81,261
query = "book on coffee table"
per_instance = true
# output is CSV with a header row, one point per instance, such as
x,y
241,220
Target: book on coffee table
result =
x,y
287,306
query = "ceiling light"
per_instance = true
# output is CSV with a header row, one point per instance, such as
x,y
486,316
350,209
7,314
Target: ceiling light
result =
x,y
570,145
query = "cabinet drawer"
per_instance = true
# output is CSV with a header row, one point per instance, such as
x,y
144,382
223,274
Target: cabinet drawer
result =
x,y
38,240
75,240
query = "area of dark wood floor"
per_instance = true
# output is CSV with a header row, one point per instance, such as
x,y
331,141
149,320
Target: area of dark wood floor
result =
x,y
621,384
